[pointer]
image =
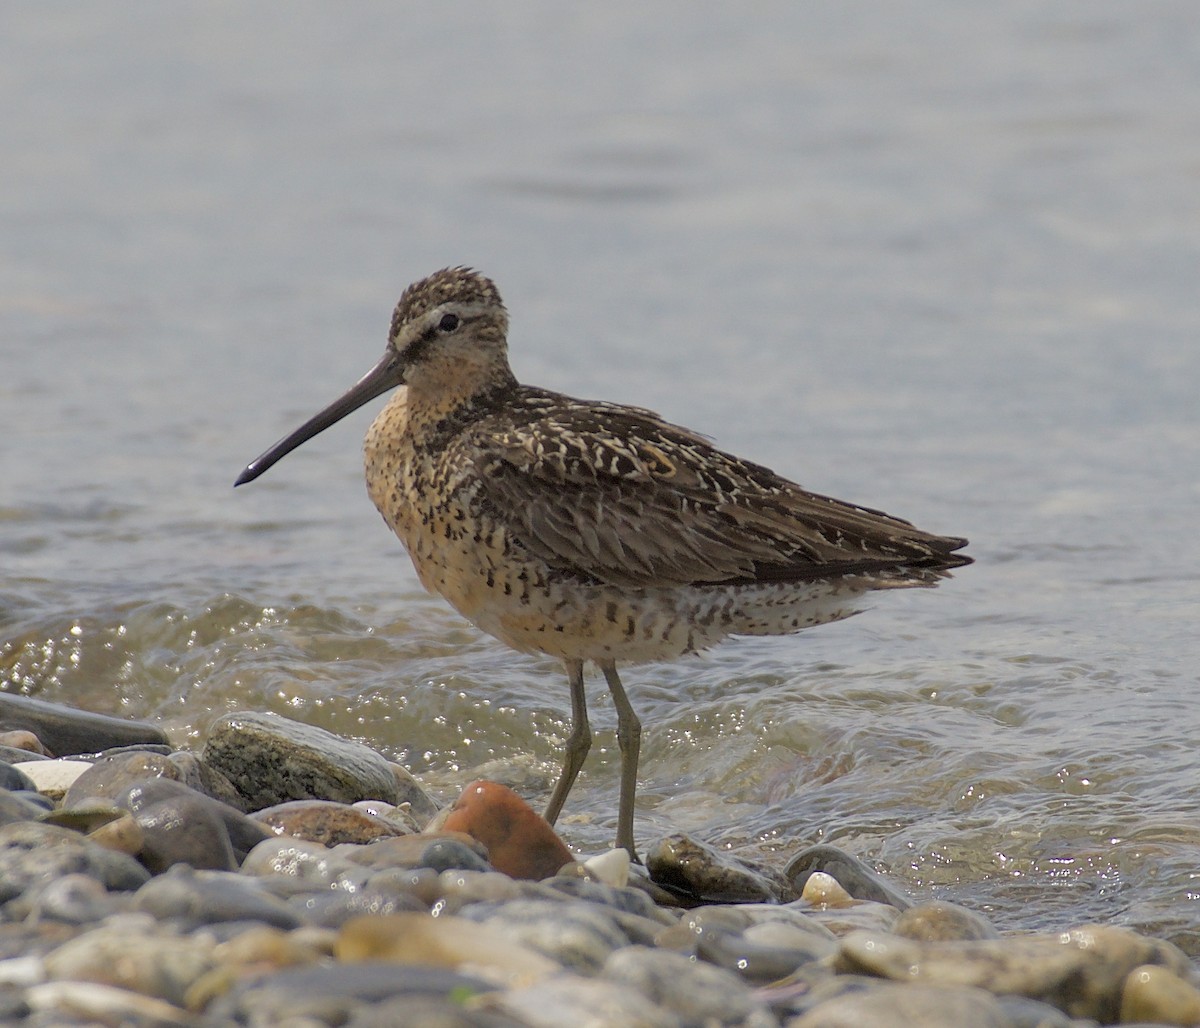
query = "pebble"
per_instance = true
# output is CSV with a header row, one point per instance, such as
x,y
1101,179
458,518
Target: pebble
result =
x,y
855,877
943,922
13,779
148,798
130,952
1154,994
33,856
1081,972
149,896
326,822
62,731
693,991
113,774
579,936
206,897
689,868
518,841
16,808
54,777
271,759
19,746
446,941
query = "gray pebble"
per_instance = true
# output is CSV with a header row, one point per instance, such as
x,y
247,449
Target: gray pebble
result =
x,y
272,759
65,731
943,922
297,859
243,832
890,1005
16,807
76,899
694,991
13,779
579,936
132,952
689,868
332,994
861,881
204,897
32,854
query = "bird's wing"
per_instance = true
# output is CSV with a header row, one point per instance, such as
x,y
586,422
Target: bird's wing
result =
x,y
617,494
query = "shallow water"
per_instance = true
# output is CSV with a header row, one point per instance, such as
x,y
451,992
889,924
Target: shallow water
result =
x,y
938,258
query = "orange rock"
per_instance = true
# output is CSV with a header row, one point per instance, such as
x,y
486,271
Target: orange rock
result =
x,y
519,841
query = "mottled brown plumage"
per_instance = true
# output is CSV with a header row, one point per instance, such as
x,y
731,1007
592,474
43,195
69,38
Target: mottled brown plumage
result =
x,y
592,531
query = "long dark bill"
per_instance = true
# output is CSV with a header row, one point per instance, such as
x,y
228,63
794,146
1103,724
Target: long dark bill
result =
x,y
387,374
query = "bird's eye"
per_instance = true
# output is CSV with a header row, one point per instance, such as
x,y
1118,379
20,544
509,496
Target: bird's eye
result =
x,y
449,323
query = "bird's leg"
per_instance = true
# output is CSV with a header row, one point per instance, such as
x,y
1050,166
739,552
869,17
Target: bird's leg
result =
x,y
578,742
629,739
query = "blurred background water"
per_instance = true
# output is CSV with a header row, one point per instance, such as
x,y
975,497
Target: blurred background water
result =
x,y
934,257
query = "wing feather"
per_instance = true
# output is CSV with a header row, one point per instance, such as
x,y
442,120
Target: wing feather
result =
x,y
619,495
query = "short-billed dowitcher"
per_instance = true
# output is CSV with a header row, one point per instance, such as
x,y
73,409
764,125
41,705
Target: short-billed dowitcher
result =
x,y
592,531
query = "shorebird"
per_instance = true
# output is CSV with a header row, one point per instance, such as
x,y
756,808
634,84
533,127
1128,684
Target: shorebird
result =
x,y
591,531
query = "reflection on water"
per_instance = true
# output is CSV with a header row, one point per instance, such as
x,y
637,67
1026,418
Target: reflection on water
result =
x,y
927,260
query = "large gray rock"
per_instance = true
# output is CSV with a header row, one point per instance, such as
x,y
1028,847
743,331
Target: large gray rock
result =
x,y
271,759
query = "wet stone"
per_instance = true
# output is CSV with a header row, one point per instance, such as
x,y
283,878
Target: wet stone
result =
x,y
452,848
18,746
54,778
765,952
34,854
332,994
13,779
451,855
943,922
556,1002
334,907
113,774
689,868
272,759
131,952
18,807
326,822
859,880
298,860
1157,995
205,897
64,731
695,992
630,901
580,937
166,806
411,795
1080,972
887,1006
518,840
77,899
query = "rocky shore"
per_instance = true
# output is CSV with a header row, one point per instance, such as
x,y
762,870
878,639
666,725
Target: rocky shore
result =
x,y
285,876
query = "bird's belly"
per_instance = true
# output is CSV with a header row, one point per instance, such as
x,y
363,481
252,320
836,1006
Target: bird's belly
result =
x,y
531,608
